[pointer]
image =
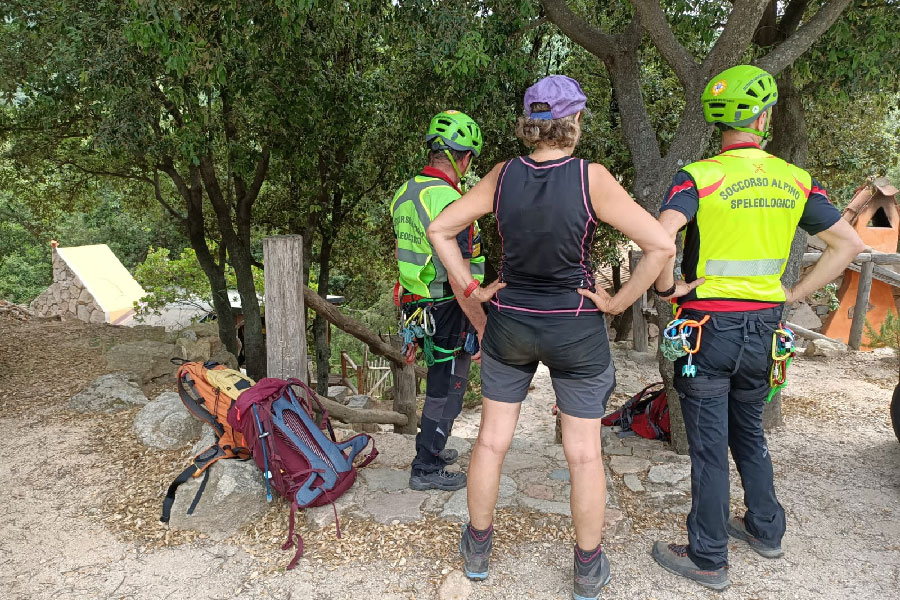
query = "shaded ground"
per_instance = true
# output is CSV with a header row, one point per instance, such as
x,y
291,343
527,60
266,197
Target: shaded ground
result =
x,y
82,502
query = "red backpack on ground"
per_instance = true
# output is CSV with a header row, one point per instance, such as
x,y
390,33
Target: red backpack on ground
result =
x,y
297,458
646,414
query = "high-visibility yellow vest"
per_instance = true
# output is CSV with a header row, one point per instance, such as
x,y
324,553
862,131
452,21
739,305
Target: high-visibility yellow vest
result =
x,y
415,205
750,204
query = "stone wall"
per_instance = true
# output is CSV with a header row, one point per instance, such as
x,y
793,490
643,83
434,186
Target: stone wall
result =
x,y
67,297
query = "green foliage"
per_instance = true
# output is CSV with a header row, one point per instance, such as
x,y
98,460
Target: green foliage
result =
x,y
169,279
828,293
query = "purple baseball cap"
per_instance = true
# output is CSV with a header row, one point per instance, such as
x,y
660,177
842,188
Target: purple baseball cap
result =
x,y
562,93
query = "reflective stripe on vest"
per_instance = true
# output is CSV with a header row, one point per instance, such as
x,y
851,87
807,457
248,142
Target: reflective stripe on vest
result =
x,y
744,268
750,204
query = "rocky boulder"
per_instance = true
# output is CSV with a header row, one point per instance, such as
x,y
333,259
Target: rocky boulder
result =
x,y
825,348
108,394
226,358
148,360
806,317
193,350
166,423
235,495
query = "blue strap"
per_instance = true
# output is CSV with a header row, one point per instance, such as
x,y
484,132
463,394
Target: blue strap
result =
x,y
262,442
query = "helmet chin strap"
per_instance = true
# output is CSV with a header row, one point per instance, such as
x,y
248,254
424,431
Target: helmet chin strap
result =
x,y
765,135
455,167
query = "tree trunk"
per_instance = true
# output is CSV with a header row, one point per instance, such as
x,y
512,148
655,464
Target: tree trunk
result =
x,y
320,325
254,342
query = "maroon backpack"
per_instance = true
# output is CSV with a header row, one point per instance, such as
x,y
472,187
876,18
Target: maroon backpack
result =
x,y
297,458
646,414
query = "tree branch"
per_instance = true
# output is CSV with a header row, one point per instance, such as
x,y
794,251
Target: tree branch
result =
x,y
159,198
597,42
262,168
653,21
736,35
69,163
793,13
793,47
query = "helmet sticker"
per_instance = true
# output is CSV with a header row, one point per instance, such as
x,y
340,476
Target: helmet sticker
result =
x,y
755,109
452,112
719,87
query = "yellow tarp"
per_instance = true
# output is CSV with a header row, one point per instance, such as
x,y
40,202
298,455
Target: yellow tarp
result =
x,y
107,279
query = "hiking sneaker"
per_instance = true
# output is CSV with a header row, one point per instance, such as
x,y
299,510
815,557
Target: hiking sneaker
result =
x,y
438,480
738,530
674,558
476,552
591,575
448,456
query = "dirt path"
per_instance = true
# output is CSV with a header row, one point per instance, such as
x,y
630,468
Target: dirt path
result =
x,y
837,468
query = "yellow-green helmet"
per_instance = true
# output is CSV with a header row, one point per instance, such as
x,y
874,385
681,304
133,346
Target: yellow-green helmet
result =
x,y
453,130
736,97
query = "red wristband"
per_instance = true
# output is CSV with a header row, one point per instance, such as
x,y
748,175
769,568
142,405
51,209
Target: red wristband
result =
x,y
471,288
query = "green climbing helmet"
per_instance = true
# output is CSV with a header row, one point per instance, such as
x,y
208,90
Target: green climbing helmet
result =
x,y
737,96
453,130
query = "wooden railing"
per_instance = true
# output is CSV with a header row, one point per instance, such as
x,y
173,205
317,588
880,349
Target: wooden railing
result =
x,y
287,298
868,264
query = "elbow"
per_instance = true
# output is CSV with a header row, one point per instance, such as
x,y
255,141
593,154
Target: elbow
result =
x,y
666,250
431,233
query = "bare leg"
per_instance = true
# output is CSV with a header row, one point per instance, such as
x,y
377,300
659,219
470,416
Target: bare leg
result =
x,y
498,423
581,444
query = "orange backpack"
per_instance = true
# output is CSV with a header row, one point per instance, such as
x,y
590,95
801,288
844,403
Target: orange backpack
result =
x,y
208,390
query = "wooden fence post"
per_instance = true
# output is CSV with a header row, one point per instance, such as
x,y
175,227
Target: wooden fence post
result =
x,y
862,304
285,309
405,389
639,333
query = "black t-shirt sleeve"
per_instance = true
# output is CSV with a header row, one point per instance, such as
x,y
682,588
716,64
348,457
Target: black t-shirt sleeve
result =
x,y
818,214
465,241
682,196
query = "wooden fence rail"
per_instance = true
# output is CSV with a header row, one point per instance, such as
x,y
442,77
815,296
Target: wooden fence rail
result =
x,y
868,264
286,301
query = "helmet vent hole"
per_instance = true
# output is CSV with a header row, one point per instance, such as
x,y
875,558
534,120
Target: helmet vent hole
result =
x,y
752,92
743,106
716,105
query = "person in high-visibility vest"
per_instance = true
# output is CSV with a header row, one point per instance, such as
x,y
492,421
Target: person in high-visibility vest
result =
x,y
433,303
739,211
548,206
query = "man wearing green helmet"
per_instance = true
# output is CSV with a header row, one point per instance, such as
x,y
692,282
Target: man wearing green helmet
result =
x,y
739,211
436,310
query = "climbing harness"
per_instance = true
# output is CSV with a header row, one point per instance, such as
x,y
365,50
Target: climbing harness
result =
x,y
676,341
421,325
783,352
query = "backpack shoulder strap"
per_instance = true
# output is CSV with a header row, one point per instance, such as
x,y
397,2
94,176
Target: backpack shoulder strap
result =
x,y
199,465
357,444
185,386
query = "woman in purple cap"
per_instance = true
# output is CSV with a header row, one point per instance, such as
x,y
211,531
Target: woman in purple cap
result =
x,y
545,308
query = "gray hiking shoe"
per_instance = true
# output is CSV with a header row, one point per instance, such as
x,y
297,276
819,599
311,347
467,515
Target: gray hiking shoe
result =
x,y
448,455
674,558
438,480
738,531
476,552
590,575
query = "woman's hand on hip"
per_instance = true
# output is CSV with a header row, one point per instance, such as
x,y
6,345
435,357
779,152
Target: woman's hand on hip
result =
x,y
602,300
484,293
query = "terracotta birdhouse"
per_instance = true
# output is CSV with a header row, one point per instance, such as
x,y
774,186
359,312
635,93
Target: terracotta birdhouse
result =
x,y
874,214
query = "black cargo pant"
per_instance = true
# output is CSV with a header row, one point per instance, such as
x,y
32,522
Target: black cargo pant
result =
x,y
722,407
445,386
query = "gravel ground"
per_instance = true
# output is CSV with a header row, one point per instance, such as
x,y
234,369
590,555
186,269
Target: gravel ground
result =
x,y
68,494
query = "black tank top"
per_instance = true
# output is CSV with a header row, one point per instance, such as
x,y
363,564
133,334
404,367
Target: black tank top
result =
x,y
546,224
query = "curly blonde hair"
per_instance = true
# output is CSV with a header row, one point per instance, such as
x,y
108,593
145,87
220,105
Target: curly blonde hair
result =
x,y
557,133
